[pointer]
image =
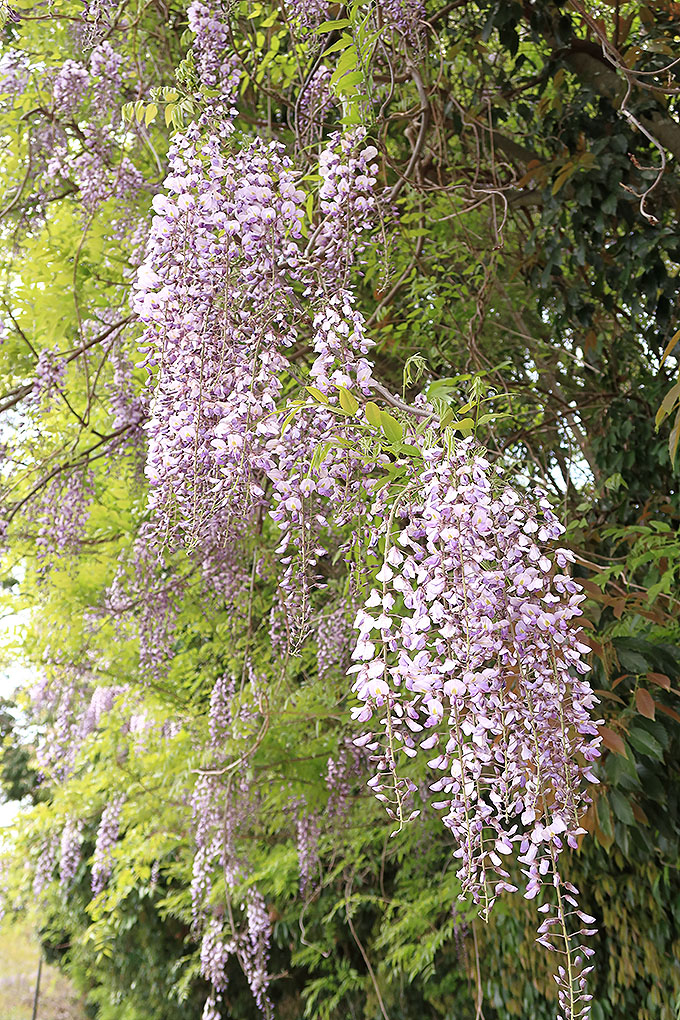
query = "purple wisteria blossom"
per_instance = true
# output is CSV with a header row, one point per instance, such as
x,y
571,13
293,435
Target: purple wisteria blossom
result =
x,y
105,71
70,86
48,378
61,515
220,717
315,103
215,954
344,772
469,650
307,832
46,861
309,13
107,835
334,630
407,17
70,854
14,72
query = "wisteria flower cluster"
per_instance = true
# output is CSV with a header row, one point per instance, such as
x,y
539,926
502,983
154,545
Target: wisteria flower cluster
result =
x,y
224,293
309,13
49,375
107,836
230,227
315,104
89,152
221,815
70,852
403,16
62,514
468,650
307,832
215,64
70,86
407,17
14,72
344,772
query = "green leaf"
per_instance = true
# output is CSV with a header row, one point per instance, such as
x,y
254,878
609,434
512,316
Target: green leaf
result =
x,y
392,429
645,743
667,403
631,662
341,44
320,455
442,389
597,1012
493,416
622,770
373,413
615,482
465,425
621,807
604,816
289,417
309,206
347,63
330,26
347,401
347,85
317,394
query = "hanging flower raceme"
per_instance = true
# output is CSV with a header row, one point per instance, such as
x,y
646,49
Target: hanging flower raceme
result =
x,y
308,14
216,324
469,650
222,813
215,63
348,205
46,859
228,288
314,104
405,17
349,767
83,143
49,375
70,86
144,596
70,852
107,835
14,72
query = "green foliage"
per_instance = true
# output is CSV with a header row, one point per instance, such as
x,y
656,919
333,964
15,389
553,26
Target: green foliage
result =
x,y
17,777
